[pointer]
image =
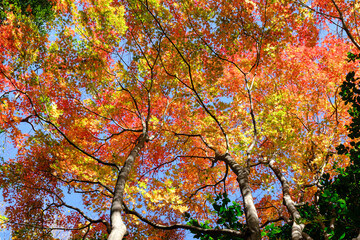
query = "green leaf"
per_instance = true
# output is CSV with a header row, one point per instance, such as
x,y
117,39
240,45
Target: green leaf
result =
x,y
342,236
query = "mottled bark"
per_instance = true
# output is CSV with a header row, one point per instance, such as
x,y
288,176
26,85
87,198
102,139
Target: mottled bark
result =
x,y
242,173
118,228
297,228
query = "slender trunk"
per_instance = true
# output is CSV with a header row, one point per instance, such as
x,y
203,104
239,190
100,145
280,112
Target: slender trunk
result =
x,y
297,228
118,228
252,219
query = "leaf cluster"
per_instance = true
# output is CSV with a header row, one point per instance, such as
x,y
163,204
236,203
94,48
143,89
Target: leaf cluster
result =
x,y
228,218
338,204
274,232
40,10
335,214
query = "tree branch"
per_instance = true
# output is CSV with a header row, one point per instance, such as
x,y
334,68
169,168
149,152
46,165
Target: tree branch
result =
x,y
213,232
297,227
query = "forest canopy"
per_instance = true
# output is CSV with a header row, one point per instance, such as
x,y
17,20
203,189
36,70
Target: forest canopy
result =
x,y
171,119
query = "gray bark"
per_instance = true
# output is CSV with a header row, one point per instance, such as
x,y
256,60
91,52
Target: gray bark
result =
x,y
242,173
118,228
297,228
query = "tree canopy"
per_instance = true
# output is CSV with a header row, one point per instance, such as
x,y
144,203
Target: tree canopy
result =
x,y
39,10
157,113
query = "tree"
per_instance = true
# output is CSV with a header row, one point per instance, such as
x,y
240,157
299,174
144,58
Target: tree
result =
x,y
334,215
148,108
40,10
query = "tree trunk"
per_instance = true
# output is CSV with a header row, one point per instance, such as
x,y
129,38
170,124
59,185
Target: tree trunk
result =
x,y
252,219
118,228
297,228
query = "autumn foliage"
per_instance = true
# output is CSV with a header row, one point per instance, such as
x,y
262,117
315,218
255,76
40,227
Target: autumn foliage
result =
x,y
144,111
